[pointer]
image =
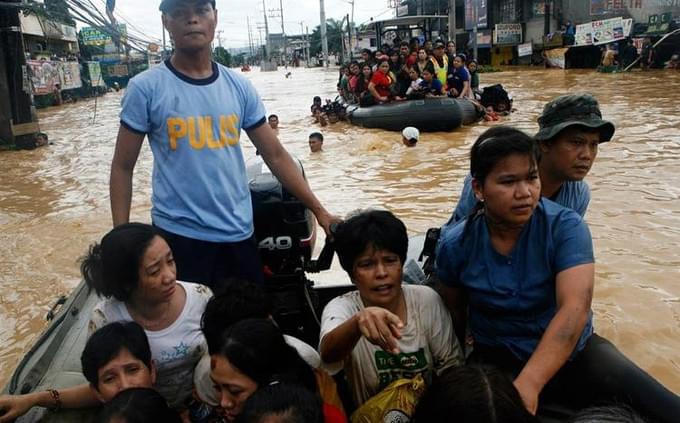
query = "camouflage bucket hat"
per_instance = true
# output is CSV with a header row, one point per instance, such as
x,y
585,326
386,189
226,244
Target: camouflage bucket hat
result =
x,y
572,110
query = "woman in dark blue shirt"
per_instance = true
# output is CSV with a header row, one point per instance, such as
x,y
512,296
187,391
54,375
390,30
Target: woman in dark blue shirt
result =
x,y
520,271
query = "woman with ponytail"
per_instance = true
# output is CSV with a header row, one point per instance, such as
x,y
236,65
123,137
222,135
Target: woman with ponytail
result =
x,y
133,270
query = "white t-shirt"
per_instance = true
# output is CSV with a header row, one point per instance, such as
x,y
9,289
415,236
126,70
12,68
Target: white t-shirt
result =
x,y
203,383
428,343
175,349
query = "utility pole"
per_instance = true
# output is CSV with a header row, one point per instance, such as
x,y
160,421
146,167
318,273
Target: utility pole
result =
x,y
283,34
342,42
307,46
351,30
546,25
349,41
250,37
219,37
17,124
266,32
452,20
475,13
324,38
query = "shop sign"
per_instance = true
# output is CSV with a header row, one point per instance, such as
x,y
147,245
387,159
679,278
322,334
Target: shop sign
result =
x,y
95,37
602,32
507,34
45,75
484,39
659,24
524,50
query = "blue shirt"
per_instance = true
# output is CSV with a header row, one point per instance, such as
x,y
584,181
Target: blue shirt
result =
x,y
457,78
200,189
512,298
573,195
434,87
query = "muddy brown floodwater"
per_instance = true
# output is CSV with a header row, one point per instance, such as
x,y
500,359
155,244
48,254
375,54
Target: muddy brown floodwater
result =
x,y
54,201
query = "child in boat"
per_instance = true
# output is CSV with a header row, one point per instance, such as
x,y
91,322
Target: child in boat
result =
x,y
431,86
282,403
415,90
474,79
383,331
115,358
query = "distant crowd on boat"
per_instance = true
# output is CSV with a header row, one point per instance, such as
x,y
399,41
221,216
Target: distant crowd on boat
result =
x,y
409,70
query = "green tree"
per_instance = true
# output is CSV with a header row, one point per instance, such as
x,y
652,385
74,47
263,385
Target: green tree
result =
x,y
335,30
222,56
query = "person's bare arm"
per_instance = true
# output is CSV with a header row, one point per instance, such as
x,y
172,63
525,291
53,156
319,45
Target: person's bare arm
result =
x,y
378,325
467,92
14,406
574,294
455,300
128,145
374,92
284,168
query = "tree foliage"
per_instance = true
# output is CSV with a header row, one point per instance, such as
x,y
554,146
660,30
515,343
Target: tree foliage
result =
x,y
335,30
222,56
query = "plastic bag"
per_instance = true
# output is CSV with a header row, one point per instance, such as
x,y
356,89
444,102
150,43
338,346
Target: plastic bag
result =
x,y
394,404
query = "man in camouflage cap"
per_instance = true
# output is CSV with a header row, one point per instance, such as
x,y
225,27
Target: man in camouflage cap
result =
x,y
570,131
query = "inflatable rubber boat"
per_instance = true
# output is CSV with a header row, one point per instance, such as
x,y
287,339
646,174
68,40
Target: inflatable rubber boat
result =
x,y
430,114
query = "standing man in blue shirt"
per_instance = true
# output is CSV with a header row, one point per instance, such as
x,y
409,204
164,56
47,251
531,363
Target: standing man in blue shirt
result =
x,y
192,110
571,129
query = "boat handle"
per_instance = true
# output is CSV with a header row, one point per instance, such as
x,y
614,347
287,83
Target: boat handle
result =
x,y
53,310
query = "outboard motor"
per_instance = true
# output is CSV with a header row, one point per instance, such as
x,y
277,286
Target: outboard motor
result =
x,y
285,231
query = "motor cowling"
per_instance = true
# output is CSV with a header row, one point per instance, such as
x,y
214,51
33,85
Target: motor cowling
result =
x,y
285,229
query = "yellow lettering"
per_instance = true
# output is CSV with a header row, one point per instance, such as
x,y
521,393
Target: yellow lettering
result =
x,y
233,120
177,128
210,139
228,133
196,144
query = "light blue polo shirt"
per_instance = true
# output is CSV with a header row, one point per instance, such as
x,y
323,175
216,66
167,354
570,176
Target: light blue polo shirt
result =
x,y
573,195
200,189
512,298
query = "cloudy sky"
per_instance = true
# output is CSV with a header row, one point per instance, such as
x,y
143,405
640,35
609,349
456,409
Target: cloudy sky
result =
x,y
232,15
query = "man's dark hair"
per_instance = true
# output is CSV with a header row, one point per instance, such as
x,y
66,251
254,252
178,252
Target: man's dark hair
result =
x,y
238,300
167,5
472,394
138,405
288,402
273,117
111,268
317,135
379,229
107,342
405,44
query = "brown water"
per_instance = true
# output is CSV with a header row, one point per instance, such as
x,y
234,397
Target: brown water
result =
x,y
54,201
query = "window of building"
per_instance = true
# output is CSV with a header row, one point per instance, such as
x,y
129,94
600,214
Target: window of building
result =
x,y
508,11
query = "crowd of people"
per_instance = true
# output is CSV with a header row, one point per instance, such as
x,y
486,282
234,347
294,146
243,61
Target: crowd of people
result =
x,y
184,329
408,70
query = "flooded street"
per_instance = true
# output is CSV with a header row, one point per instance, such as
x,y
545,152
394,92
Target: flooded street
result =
x,y
54,201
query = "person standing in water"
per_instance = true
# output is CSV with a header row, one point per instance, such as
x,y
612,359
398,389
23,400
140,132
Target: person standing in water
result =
x,y
192,110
